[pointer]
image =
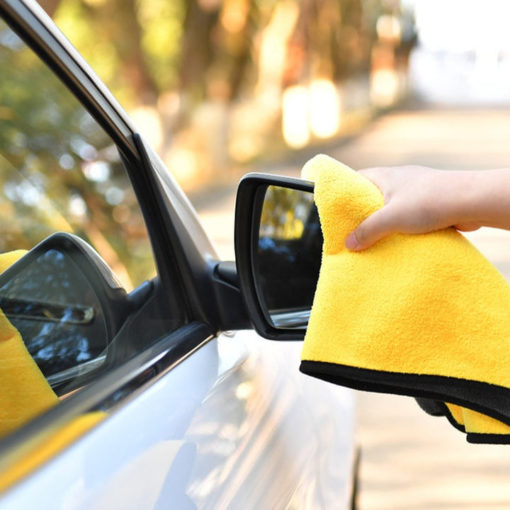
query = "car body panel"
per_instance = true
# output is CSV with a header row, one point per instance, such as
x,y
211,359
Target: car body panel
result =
x,y
233,426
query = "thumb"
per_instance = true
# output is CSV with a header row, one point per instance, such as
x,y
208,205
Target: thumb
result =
x,y
371,230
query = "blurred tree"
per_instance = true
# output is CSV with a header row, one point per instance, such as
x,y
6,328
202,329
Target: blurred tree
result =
x,y
186,60
133,45
197,53
50,6
120,17
113,29
331,39
215,48
205,48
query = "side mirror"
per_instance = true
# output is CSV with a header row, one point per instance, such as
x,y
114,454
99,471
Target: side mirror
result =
x,y
67,305
278,244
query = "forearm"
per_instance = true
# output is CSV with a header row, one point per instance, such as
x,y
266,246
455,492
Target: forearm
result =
x,y
480,198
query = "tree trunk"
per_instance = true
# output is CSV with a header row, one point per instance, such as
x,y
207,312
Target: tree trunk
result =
x,y
118,19
197,46
50,6
128,39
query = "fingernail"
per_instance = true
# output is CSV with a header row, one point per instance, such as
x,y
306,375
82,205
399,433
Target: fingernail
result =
x,y
351,242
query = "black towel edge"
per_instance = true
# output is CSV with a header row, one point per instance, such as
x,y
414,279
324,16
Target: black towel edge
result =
x,y
437,408
488,438
489,399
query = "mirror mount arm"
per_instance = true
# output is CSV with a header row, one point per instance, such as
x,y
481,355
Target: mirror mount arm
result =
x,y
227,272
232,312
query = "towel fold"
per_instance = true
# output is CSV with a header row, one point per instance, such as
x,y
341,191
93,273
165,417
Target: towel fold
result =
x,y
421,315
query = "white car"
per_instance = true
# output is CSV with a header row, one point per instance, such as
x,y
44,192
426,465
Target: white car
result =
x,y
128,313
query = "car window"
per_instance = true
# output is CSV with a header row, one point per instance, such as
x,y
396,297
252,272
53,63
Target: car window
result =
x,y
61,175
59,171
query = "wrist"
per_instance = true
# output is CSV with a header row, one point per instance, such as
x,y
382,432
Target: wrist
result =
x,y
480,198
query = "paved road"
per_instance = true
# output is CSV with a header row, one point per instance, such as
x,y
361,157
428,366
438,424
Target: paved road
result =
x,y
412,461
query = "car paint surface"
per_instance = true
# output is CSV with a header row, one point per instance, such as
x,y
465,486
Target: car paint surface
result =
x,y
233,426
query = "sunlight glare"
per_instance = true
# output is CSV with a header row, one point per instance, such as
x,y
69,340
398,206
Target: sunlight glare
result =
x,y
384,87
148,122
295,116
183,164
324,108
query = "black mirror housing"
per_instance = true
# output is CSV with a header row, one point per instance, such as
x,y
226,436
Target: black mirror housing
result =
x,y
66,303
278,246
87,264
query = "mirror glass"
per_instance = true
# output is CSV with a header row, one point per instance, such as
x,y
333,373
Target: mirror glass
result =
x,y
287,256
56,311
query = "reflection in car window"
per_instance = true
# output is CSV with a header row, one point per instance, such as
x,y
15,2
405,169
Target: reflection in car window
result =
x,y
58,315
59,171
285,213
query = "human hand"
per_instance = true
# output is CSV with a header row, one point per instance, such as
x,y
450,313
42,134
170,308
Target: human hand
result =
x,y
417,200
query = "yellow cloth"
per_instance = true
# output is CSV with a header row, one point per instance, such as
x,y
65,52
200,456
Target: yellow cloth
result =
x,y
53,445
480,428
421,315
7,259
25,391
25,394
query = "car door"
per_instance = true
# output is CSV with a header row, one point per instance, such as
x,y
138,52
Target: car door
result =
x,y
74,190
120,300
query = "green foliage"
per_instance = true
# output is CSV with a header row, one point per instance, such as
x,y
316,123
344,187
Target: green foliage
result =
x,y
284,213
162,25
195,67
93,40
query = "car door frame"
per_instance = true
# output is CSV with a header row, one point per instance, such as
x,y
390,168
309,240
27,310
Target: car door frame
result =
x,y
188,276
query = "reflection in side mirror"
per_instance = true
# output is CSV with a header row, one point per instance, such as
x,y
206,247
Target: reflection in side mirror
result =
x,y
278,244
66,304
287,255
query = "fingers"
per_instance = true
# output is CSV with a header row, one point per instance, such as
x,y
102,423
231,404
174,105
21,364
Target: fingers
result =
x,y
374,228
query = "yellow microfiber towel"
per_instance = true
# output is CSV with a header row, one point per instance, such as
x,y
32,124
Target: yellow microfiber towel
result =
x,y
476,423
25,391
26,394
420,315
7,259
67,434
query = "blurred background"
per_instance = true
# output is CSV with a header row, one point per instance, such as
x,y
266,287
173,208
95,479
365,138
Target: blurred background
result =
x,y
218,84
222,87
